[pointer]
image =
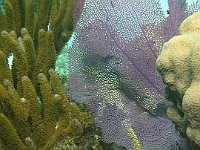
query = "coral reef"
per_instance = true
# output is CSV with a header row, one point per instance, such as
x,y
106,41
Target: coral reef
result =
x,y
112,69
179,64
34,116
34,110
56,15
136,142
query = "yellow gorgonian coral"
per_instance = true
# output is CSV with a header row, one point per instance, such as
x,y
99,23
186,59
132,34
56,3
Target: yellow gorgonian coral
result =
x,y
34,110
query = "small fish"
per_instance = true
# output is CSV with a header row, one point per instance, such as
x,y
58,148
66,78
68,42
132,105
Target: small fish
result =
x,y
168,12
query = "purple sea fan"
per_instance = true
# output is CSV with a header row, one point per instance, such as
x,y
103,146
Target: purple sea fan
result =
x,y
177,13
78,7
132,36
112,70
195,7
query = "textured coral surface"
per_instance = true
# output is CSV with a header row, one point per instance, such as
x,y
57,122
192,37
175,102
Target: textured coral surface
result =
x,y
112,69
34,110
179,64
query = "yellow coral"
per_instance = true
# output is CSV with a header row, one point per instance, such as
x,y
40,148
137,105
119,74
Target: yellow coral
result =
x,y
9,135
16,13
179,64
48,117
35,112
134,139
39,14
9,19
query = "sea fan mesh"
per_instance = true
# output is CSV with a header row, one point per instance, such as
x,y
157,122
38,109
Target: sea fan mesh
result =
x,y
112,70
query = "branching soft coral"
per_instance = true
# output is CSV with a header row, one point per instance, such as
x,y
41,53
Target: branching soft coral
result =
x,y
57,15
34,110
38,115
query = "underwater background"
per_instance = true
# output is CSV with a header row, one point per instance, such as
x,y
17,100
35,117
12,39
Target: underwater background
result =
x,y
112,68
118,81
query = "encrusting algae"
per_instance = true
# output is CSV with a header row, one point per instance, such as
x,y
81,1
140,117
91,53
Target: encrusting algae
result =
x,y
34,110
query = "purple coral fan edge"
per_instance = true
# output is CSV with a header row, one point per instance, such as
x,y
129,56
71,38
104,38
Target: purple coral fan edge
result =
x,y
132,60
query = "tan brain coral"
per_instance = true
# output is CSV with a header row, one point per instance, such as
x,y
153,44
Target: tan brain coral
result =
x,y
179,65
